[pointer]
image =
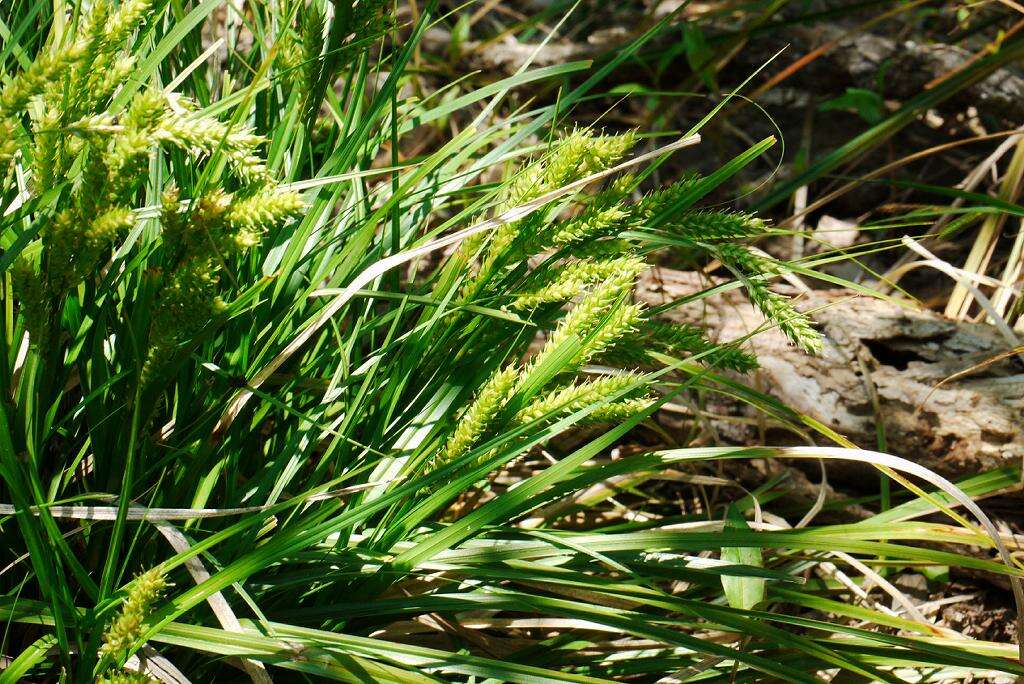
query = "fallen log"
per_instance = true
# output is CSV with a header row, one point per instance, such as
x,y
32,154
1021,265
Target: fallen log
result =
x,y
928,381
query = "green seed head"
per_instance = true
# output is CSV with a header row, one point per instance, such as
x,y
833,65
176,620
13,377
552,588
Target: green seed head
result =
x,y
121,635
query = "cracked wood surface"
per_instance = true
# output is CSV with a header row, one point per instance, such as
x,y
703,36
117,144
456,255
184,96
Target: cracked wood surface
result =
x,y
873,346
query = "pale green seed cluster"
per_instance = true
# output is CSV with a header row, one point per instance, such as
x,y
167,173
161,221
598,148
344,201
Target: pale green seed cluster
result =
x,y
678,340
713,226
207,136
577,396
93,65
35,79
575,156
196,245
67,82
121,635
752,269
601,218
74,134
599,287
78,240
600,319
124,677
591,267
249,216
710,231
716,232
488,403
577,276
594,325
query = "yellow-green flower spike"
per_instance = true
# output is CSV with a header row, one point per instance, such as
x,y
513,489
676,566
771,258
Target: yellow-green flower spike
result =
x,y
126,628
492,398
581,395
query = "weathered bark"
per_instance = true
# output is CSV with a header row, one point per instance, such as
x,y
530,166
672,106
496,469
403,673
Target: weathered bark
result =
x,y
897,353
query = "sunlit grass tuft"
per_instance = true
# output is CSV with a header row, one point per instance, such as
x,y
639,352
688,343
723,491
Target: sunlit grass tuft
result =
x,y
268,406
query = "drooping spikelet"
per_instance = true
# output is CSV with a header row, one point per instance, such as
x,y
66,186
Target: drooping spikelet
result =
x,y
607,333
126,628
603,249
263,210
581,395
599,320
593,325
714,226
206,135
573,157
662,205
752,269
608,215
617,411
147,112
15,96
569,281
489,402
599,219
677,340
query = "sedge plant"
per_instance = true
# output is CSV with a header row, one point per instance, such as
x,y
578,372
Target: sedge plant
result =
x,y
263,418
